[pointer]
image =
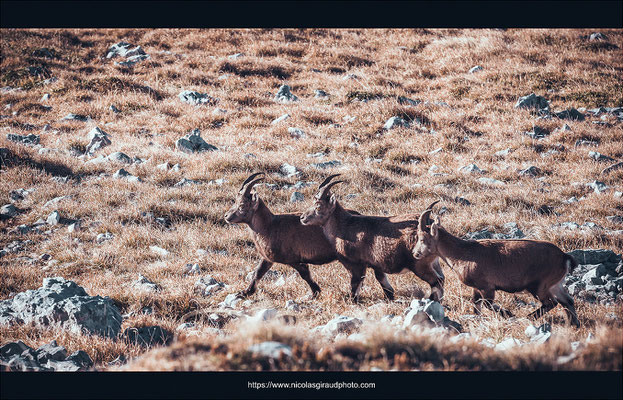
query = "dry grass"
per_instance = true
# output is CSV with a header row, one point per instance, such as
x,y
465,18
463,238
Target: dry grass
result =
x,y
432,65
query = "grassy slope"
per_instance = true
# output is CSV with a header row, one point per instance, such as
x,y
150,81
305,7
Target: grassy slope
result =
x,y
432,65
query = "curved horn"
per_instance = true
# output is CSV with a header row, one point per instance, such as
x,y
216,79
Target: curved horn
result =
x,y
327,180
424,219
432,205
325,190
247,188
249,179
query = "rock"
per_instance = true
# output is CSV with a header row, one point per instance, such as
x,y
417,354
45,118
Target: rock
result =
x,y
75,117
490,182
114,109
192,269
142,283
123,174
230,301
530,171
598,187
432,308
571,114
597,36
470,169
207,285
51,351
265,314
326,164
19,194
278,120
341,324
296,197
292,306
164,166
193,143
31,139
611,168
405,101
586,142
289,170
284,95
8,211
537,132
296,133
185,182
98,139
74,227
124,49
395,122
159,250
616,219
532,101
120,157
131,61
235,56
508,344
53,218
184,326
599,157
196,98
274,350
540,334
512,232
594,275
320,94
102,237
475,69
147,336
63,303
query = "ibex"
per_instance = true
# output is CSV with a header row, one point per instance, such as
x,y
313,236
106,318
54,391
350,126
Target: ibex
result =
x,y
381,243
280,238
509,265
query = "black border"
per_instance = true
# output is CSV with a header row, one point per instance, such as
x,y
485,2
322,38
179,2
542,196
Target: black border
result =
x,y
311,14
388,385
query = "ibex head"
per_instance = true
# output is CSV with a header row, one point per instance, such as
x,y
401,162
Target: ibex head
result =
x,y
427,234
246,202
324,204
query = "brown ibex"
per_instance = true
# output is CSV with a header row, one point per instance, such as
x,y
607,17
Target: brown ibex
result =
x,y
509,265
281,238
381,243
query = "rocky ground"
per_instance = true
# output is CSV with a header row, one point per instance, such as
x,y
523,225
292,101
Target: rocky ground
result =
x,y
122,150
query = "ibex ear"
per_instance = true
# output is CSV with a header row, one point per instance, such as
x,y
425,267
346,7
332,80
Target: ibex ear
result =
x,y
332,201
434,228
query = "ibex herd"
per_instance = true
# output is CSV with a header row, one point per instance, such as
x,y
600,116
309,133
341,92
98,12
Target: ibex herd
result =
x,y
390,245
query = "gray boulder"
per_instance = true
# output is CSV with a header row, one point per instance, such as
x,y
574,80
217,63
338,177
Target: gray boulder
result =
x,y
65,304
124,49
284,95
537,133
327,164
193,143
75,117
395,122
31,139
98,139
8,211
296,197
532,101
530,171
571,114
147,336
429,307
196,98
274,350
597,156
120,158
54,218
341,324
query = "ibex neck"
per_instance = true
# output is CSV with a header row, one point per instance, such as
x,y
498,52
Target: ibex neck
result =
x,y
335,219
452,247
262,218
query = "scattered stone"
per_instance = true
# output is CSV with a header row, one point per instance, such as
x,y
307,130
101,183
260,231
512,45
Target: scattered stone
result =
x,y
512,232
192,269
235,56
98,139
503,153
471,169
537,133
597,36
431,308
291,305
395,122
123,174
475,69
159,250
124,49
186,182
598,187
142,283
131,61
193,143
120,158
284,95
616,219
147,336
207,285
341,324
611,168
296,197
31,139
531,171
508,344
289,170
320,94
8,211
540,334
326,164
273,350
63,303
490,182
571,114
74,227
102,237
54,218
532,101
278,120
405,101
75,117
296,133
265,314
230,301
196,98
114,109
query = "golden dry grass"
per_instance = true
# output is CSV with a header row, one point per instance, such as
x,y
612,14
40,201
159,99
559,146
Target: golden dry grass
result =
x,y
421,64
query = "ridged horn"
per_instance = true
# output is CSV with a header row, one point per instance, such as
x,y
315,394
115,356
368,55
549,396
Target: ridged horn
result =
x,y
326,189
249,179
424,219
327,180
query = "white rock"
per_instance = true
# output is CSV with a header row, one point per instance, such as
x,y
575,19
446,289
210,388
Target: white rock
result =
x,y
159,250
508,344
54,218
265,315
395,122
475,69
491,182
296,133
282,118
274,350
342,324
102,237
291,305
